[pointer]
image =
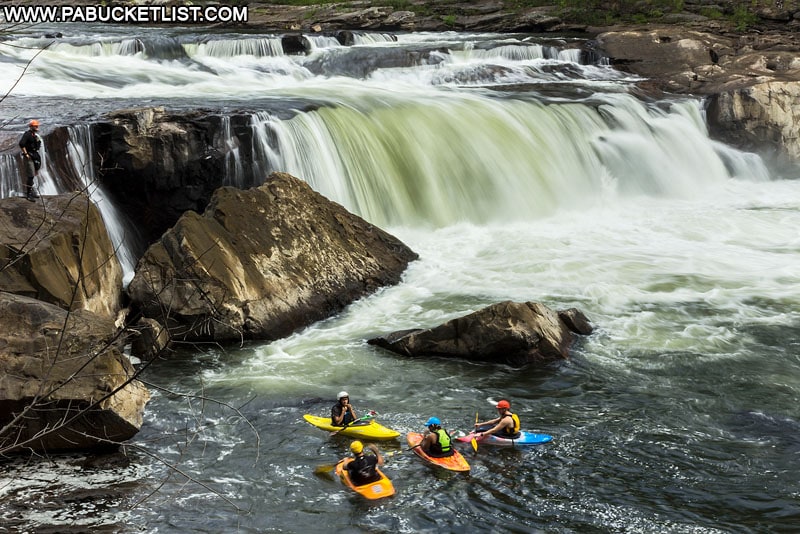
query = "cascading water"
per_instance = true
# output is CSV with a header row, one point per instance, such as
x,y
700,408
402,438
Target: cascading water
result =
x,y
518,170
80,150
478,159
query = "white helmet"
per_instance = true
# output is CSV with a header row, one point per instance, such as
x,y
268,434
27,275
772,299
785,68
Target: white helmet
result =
x,y
342,394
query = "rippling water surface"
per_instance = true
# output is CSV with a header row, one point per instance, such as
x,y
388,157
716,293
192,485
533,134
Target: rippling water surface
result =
x,y
517,173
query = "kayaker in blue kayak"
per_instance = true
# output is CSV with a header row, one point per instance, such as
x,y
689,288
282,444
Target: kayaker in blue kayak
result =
x,y
436,441
506,425
362,470
342,413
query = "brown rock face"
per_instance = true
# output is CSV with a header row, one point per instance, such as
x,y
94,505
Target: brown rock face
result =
x,y
58,250
63,383
683,60
262,263
157,165
752,81
760,117
507,332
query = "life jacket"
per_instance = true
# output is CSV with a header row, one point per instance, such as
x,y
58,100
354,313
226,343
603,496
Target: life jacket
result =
x,y
511,434
362,469
441,448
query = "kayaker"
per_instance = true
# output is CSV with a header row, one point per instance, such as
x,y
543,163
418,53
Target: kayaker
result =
x,y
362,469
342,413
506,425
436,441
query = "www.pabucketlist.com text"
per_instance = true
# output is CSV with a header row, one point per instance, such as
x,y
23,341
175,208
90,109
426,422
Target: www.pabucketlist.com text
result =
x,y
21,14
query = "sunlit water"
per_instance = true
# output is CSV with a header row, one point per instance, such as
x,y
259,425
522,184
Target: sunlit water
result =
x,y
515,173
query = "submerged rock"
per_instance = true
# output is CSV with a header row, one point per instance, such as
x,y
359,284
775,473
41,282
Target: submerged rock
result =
x,y
507,332
262,263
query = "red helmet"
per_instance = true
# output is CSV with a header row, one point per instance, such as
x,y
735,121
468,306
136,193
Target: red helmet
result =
x,y
34,123
503,405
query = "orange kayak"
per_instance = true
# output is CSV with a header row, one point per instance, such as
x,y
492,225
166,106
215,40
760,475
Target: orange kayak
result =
x,y
374,490
456,462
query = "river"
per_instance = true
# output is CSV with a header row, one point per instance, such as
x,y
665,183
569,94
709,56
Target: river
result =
x,y
519,170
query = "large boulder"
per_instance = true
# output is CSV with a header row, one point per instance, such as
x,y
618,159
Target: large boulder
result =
x,y
262,263
64,385
58,250
507,332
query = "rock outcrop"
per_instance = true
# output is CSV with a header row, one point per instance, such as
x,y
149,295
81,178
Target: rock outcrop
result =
x,y
64,385
262,263
57,250
507,332
157,165
751,81
762,118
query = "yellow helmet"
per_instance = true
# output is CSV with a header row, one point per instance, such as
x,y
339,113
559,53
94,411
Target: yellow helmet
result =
x,y
356,447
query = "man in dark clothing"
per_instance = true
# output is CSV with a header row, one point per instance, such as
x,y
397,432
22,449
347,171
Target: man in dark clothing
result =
x,y
30,144
342,413
362,470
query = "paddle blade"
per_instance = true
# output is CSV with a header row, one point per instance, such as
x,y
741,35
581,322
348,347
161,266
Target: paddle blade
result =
x,y
473,441
325,471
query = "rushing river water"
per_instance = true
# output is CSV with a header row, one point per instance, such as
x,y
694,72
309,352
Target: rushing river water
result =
x,y
518,169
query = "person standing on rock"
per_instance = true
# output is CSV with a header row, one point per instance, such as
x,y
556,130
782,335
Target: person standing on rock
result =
x,y
30,144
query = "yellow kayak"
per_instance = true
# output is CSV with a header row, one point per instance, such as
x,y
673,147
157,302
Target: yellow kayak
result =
x,y
369,430
373,490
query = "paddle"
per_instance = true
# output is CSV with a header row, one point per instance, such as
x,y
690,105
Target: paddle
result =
x,y
327,469
395,453
370,415
473,441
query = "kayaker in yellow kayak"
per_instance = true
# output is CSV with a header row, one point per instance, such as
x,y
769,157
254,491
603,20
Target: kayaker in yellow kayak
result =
x,y
362,470
436,440
342,413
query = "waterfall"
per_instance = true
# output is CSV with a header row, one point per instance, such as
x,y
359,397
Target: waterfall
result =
x,y
470,158
321,41
234,171
256,47
80,150
10,176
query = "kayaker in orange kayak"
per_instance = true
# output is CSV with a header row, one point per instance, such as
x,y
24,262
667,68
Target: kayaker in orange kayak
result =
x,y
436,440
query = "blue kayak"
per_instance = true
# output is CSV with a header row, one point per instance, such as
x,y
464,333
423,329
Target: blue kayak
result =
x,y
525,438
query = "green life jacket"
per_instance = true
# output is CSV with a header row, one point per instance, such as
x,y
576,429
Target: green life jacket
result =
x,y
444,440
442,448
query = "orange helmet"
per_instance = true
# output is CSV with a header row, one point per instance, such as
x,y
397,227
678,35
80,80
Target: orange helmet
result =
x,y
34,123
504,405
